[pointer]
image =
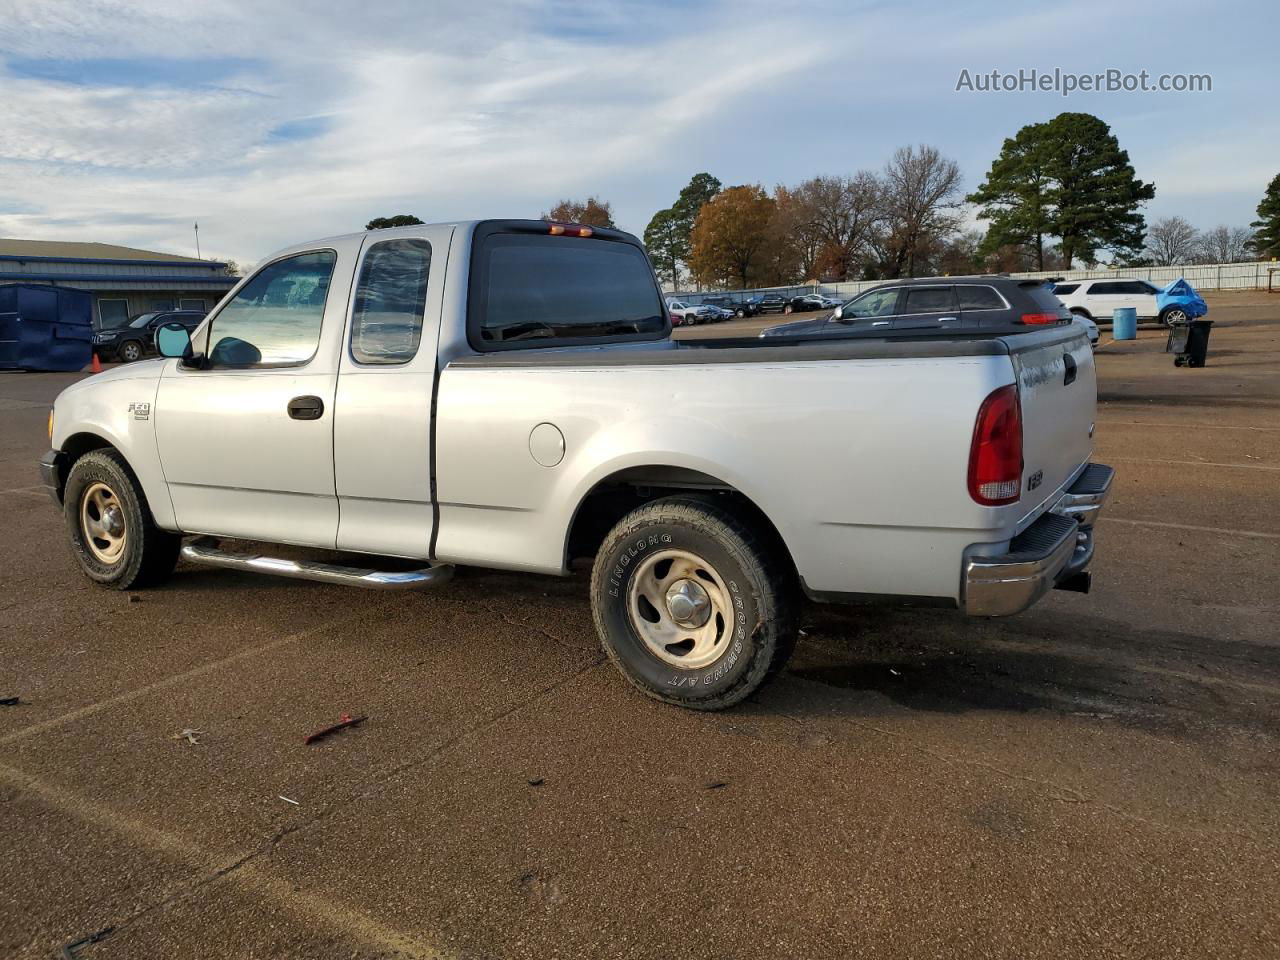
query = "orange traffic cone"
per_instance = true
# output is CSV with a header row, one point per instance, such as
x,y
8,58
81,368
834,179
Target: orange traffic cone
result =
x,y
96,366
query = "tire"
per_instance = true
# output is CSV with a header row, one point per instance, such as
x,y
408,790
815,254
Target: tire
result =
x,y
688,544
787,309
740,314
1174,315
130,351
103,497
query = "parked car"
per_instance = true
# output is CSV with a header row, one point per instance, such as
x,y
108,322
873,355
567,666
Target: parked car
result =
x,y
1099,299
767,303
809,302
727,307
994,303
1090,328
528,422
136,339
691,313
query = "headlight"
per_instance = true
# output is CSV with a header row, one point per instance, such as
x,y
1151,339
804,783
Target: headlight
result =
x,y
103,337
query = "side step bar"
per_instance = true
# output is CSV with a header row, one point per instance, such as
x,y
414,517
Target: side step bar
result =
x,y
205,550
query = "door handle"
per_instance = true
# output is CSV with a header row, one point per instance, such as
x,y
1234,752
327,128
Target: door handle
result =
x,y
948,319
1070,376
306,408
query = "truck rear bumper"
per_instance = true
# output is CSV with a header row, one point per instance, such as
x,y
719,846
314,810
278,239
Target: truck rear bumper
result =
x,y
1052,551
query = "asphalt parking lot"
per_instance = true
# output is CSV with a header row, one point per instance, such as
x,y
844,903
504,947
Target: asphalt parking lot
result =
x,y
1094,778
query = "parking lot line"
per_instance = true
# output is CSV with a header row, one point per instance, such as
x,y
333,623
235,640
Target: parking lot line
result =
x,y
1196,463
238,869
1181,426
177,678
1260,534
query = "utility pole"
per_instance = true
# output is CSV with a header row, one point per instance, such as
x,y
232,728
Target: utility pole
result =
x,y
197,229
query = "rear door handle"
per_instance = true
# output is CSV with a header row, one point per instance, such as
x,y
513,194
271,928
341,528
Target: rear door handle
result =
x,y
306,408
1070,376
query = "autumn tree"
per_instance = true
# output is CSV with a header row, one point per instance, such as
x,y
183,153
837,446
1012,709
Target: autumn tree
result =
x,y
399,220
591,212
1224,244
1171,240
921,207
1066,178
732,237
1266,237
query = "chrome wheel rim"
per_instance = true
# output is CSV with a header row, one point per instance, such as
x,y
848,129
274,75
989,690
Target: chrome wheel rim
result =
x,y
680,607
131,351
102,523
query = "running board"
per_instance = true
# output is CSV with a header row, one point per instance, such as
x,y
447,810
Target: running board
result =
x,y
205,550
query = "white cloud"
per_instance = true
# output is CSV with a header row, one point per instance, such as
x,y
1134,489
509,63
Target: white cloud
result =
x,y
460,109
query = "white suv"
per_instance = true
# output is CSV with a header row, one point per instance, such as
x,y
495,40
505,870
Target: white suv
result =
x,y
1098,299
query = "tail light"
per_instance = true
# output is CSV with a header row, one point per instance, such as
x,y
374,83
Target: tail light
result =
x,y
1036,319
995,458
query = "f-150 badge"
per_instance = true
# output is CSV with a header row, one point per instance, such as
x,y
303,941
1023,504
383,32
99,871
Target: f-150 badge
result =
x,y
140,411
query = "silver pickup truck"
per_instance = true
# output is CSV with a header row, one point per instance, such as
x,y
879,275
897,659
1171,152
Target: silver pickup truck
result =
x,y
507,394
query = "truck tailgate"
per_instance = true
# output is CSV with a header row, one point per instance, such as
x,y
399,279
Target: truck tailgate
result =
x,y
1058,392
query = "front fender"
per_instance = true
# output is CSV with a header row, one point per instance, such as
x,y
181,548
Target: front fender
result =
x,y
119,409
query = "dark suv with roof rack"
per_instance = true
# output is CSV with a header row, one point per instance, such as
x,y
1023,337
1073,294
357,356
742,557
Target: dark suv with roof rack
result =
x,y
137,338
952,304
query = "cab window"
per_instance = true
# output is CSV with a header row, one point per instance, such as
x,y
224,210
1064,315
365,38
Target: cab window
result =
x,y
386,321
275,318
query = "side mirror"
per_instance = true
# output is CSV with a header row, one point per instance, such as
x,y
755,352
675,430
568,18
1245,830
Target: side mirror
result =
x,y
838,313
173,340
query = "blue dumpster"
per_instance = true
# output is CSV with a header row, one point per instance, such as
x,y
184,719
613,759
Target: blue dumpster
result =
x,y
44,327
1124,323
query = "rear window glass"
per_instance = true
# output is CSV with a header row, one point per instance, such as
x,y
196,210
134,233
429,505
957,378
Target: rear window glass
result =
x,y
928,300
979,298
534,288
1062,289
1045,299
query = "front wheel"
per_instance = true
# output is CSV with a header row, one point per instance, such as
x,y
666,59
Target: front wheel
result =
x,y
1174,316
695,606
130,351
112,533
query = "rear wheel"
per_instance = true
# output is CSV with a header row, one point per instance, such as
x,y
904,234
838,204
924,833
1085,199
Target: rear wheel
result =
x,y
112,532
695,606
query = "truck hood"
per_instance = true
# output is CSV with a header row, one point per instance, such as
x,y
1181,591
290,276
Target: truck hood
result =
x,y
141,370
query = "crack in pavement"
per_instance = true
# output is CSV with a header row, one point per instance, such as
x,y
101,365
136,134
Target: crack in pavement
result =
x,y
308,905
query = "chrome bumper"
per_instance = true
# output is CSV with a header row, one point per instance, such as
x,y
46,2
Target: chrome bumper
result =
x,y
1050,552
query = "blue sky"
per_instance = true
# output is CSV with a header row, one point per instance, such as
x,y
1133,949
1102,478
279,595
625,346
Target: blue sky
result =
x,y
272,123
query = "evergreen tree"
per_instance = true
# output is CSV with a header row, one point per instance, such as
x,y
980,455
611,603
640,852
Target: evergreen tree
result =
x,y
1266,238
1069,179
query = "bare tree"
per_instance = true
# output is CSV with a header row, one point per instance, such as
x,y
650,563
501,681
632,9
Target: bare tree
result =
x,y
922,199
844,212
1225,244
1171,240
593,212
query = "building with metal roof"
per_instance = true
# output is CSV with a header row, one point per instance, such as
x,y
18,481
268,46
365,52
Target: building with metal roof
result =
x,y
124,281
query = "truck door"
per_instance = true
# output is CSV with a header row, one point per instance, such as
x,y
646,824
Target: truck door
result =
x,y
246,442
382,440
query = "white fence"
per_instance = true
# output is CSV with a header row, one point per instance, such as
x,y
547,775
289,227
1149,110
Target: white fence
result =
x,y
1262,275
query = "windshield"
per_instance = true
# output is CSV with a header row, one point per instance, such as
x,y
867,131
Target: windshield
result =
x,y
141,320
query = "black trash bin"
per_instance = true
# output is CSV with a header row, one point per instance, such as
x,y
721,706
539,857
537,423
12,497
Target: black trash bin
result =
x,y
1196,344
